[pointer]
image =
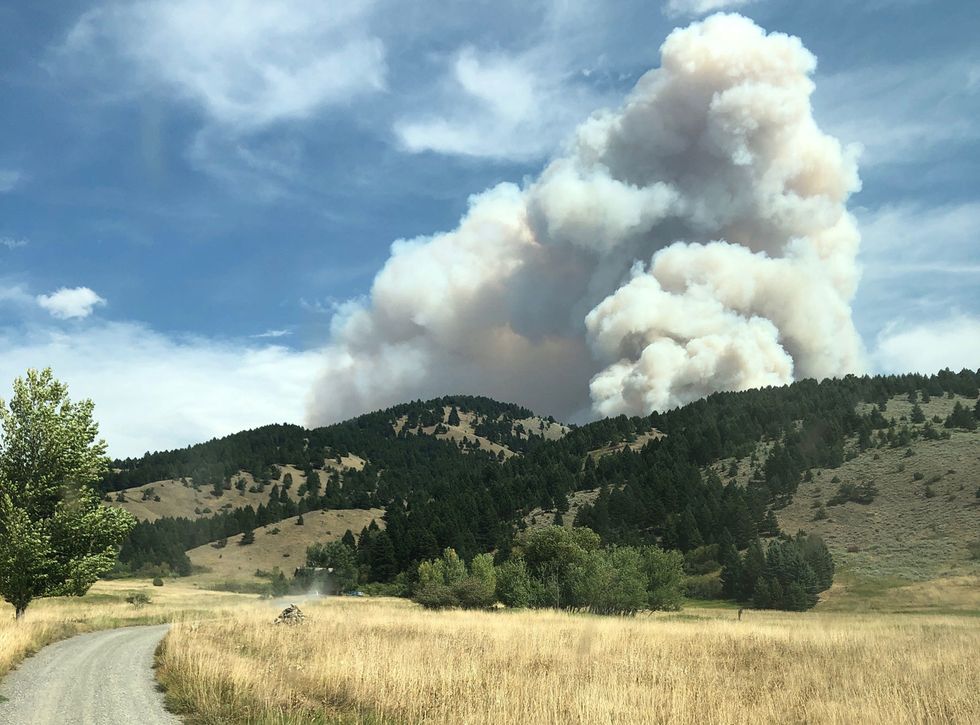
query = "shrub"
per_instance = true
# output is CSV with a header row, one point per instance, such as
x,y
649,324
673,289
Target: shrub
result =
x,y
704,586
917,476
863,493
974,548
138,599
157,581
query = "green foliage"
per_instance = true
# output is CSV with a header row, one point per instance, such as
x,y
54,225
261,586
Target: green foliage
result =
x,y
56,538
862,493
446,582
789,575
248,538
514,584
157,581
567,569
703,586
961,417
138,599
339,557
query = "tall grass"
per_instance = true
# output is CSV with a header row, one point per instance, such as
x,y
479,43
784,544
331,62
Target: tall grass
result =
x,y
385,660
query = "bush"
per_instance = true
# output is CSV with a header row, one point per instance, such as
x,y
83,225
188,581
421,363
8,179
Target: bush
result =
x,y
974,548
138,599
863,493
704,586
157,581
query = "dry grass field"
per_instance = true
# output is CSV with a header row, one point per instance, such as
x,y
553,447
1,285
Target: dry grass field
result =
x,y
388,661
104,607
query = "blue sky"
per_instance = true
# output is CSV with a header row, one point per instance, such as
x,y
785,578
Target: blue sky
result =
x,y
219,176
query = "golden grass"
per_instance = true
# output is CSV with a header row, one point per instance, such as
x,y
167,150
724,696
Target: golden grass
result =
x,y
104,607
388,661
285,549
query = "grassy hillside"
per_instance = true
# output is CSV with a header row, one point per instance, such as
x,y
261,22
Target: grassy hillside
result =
x,y
182,498
277,546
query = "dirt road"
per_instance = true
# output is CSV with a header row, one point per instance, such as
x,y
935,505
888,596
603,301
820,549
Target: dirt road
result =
x,y
102,678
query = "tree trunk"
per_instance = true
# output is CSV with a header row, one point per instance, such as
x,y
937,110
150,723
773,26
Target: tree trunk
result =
x,y
20,611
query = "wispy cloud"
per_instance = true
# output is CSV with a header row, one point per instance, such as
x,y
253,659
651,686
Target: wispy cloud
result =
x,y
919,262
12,242
9,179
246,64
515,103
273,333
70,303
900,113
675,8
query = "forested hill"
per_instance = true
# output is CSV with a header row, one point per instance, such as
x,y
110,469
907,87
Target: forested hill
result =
x,y
441,492
505,426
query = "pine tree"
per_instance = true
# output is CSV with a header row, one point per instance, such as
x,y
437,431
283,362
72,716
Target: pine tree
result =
x,y
248,537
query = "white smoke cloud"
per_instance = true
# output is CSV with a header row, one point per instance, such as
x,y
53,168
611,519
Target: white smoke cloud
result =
x,y
694,240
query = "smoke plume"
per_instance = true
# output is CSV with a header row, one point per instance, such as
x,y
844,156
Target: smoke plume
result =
x,y
694,240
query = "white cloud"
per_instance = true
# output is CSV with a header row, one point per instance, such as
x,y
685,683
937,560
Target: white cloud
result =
x,y
500,105
12,243
918,262
246,63
916,238
70,302
154,392
9,179
674,8
929,346
901,113
273,333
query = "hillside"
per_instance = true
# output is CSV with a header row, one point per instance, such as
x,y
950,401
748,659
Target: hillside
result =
x,y
719,472
277,546
186,498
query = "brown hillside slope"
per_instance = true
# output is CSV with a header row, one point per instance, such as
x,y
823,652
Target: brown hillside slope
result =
x,y
285,549
178,499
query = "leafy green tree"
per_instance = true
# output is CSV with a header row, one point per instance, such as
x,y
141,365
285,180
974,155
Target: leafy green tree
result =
x,y
56,538
664,577
610,581
339,557
514,583
248,538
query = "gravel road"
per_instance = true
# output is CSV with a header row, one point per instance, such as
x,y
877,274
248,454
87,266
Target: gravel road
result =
x,y
101,678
